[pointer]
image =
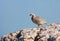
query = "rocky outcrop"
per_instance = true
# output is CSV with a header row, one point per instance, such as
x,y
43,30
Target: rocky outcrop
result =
x,y
49,33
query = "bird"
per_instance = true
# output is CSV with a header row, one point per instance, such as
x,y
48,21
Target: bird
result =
x,y
37,19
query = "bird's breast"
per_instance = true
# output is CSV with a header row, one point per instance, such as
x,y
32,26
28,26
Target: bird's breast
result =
x,y
33,20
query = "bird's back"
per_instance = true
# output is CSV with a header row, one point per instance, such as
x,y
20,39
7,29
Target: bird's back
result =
x,y
38,20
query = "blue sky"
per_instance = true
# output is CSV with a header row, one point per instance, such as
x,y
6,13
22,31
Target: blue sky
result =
x,y
14,14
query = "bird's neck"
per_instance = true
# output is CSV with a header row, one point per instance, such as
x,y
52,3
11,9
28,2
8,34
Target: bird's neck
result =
x,y
33,17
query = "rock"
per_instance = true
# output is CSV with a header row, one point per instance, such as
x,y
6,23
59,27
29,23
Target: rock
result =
x,y
49,33
58,38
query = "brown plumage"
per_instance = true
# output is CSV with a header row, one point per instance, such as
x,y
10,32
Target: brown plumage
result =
x,y
37,20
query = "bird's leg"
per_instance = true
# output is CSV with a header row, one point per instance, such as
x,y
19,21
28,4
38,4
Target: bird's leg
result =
x,y
38,25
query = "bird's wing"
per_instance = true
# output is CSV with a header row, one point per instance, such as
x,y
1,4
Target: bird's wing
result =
x,y
39,19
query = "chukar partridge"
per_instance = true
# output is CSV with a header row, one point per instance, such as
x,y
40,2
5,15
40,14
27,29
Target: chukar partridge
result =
x,y
37,20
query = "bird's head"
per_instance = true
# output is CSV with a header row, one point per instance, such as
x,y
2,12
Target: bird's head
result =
x,y
32,14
